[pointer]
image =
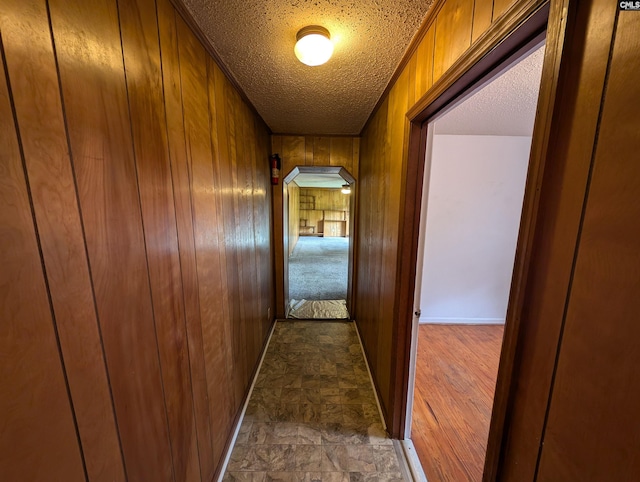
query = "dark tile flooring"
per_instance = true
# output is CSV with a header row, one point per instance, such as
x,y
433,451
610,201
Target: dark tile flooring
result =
x,y
312,415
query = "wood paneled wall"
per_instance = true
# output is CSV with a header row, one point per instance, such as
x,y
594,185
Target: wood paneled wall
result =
x,y
304,151
317,151
571,328
294,215
451,28
135,244
329,204
330,199
578,341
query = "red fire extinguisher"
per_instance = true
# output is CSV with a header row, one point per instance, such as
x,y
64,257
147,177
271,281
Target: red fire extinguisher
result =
x,y
274,160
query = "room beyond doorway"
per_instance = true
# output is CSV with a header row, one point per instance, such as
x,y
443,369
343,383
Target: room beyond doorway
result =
x,y
477,157
318,233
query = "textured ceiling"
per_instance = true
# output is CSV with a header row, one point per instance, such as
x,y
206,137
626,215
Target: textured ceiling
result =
x,y
255,40
504,107
305,179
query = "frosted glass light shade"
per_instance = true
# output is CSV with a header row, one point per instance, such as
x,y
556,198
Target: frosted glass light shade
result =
x,y
314,45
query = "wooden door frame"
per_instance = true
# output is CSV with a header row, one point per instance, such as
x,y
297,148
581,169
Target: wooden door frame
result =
x,y
508,36
348,177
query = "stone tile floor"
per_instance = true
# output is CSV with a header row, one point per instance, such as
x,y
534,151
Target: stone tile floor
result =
x,y
312,415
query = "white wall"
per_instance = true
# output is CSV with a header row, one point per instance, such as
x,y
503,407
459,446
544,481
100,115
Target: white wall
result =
x,y
474,202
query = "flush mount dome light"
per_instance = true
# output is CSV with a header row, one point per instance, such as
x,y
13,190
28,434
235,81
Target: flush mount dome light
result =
x,y
313,46
346,189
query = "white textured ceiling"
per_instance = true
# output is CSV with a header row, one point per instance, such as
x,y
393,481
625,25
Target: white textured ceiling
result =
x,y
319,180
255,40
504,107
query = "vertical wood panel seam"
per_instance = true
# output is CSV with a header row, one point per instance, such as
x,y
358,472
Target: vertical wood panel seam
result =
x,y
191,204
175,217
473,17
84,238
144,238
210,79
433,58
577,245
40,255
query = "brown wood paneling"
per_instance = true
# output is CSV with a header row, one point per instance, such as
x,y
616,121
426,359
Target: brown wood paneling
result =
x,y
456,373
216,340
226,142
592,427
293,153
140,43
341,150
501,6
424,65
255,336
87,39
326,204
183,206
412,68
239,179
355,157
397,130
568,156
294,215
153,219
308,154
264,227
482,15
371,200
278,236
330,199
259,149
453,34
321,151
316,151
353,234
231,178
44,143
241,236
39,439
253,165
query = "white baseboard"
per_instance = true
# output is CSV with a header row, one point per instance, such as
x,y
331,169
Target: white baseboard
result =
x,y
373,385
434,320
236,429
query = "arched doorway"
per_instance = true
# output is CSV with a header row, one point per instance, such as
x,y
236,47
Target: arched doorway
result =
x,y
318,233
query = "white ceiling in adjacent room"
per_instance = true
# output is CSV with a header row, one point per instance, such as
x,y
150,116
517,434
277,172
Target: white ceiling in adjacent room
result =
x,y
504,107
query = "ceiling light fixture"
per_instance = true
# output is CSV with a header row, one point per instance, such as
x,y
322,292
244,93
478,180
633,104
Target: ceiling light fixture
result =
x,y
346,189
313,46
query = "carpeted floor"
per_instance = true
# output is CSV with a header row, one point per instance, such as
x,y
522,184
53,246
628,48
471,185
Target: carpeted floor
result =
x,y
318,269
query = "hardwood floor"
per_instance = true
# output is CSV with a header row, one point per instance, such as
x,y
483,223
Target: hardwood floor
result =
x,y
456,374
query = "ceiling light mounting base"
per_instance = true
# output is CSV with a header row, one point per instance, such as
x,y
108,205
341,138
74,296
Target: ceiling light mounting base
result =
x,y
312,29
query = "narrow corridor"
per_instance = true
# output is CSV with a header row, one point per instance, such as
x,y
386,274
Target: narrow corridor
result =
x,y
312,415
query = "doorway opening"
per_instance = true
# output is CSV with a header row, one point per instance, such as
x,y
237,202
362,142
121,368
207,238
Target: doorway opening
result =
x,y
318,242
476,162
